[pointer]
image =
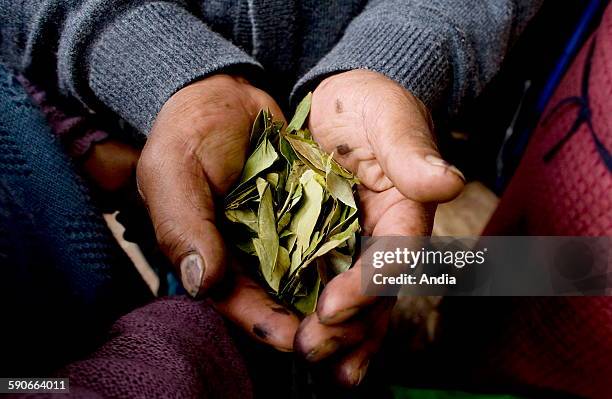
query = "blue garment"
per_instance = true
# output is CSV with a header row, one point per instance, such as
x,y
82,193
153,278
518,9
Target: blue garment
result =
x,y
63,277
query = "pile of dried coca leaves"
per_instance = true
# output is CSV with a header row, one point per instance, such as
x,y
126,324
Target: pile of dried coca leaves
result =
x,y
293,211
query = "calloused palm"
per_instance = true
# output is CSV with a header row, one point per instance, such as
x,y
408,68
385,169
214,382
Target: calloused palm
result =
x,y
383,134
194,153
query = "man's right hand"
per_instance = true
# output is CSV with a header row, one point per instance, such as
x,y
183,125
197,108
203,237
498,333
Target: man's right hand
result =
x,y
195,152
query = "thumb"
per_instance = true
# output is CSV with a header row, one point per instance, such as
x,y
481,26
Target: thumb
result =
x,y
409,157
180,203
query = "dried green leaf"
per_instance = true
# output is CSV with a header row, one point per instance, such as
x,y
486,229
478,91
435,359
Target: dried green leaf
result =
x,y
340,189
283,221
307,304
347,217
267,244
245,216
291,241
301,113
287,151
338,262
262,158
293,206
273,179
305,219
240,197
308,152
282,263
258,129
337,239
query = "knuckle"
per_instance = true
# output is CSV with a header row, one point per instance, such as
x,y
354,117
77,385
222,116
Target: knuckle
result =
x,y
148,163
142,175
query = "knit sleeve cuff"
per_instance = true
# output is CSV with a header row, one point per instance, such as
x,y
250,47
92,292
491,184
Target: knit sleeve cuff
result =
x,y
148,53
404,50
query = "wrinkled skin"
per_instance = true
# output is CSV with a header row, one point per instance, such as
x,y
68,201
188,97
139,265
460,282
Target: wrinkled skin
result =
x,y
383,134
195,153
374,127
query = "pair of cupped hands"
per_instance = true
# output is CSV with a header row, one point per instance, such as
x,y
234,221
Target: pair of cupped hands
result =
x,y
195,153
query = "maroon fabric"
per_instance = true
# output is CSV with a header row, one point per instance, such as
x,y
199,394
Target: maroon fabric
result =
x,y
173,347
531,346
563,344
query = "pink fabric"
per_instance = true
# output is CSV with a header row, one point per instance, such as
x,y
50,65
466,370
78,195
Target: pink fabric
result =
x,y
571,194
563,344
74,130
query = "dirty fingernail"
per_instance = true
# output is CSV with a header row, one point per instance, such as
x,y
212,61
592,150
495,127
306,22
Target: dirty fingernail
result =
x,y
323,350
352,377
434,160
192,270
361,373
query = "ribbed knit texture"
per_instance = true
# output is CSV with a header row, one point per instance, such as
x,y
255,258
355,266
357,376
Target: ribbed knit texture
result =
x,y
151,52
131,56
445,52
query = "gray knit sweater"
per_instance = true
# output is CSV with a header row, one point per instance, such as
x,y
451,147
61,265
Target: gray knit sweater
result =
x,y
130,56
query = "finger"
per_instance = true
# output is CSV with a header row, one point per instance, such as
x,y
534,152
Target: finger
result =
x,y
110,165
180,203
344,296
409,156
247,305
389,213
316,341
345,299
352,367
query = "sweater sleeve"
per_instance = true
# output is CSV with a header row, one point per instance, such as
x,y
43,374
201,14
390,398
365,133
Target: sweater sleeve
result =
x,y
443,51
128,56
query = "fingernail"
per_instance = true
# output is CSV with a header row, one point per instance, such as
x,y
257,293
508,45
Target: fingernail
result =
x,y
361,373
283,349
323,350
192,270
434,160
354,377
340,315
